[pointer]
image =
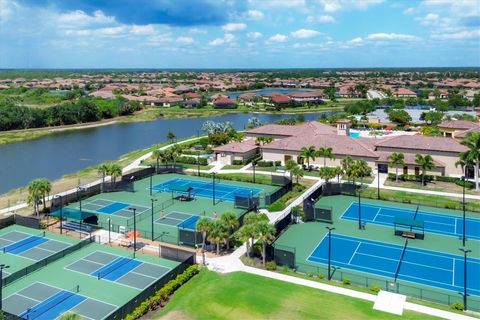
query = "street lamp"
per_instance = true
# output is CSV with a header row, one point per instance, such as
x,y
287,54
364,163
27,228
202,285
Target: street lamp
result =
x,y
134,229
61,212
213,190
463,204
359,210
2,266
253,167
109,229
330,229
151,182
153,200
465,252
378,182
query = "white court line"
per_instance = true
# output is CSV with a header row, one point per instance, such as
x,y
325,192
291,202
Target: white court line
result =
x,y
319,243
375,217
453,272
23,296
354,252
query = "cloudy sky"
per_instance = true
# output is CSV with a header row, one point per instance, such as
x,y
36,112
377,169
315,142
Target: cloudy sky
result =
x,y
238,34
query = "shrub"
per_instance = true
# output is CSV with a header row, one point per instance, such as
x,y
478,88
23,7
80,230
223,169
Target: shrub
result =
x,y
263,163
457,306
271,265
192,160
374,288
310,275
237,162
285,268
163,294
278,163
43,225
320,276
346,281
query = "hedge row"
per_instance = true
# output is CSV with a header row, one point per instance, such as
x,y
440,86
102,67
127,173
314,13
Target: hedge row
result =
x,y
269,163
246,161
162,295
192,160
428,178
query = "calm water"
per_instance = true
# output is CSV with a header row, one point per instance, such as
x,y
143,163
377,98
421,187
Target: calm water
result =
x,y
56,155
234,95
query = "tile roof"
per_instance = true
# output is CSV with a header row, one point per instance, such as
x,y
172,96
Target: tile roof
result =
x,y
238,147
422,143
409,158
458,124
286,130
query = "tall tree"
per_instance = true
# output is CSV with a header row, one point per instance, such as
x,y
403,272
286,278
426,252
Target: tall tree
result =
x,y
115,171
217,234
231,222
298,173
103,169
34,194
45,187
171,136
266,234
396,160
325,152
308,153
472,142
203,225
327,173
425,163
346,163
289,165
364,170
160,156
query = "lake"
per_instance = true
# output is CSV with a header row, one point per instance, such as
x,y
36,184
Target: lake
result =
x,y
234,95
61,153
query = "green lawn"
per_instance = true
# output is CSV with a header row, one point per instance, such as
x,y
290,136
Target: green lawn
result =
x,y
244,296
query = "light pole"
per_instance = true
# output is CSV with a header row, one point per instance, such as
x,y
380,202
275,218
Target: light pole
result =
x,y
134,229
151,182
198,164
79,198
213,190
359,210
329,251
153,200
109,230
61,212
465,252
2,266
378,182
463,204
253,167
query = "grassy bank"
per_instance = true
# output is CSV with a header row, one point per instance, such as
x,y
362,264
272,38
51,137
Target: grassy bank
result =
x,y
244,296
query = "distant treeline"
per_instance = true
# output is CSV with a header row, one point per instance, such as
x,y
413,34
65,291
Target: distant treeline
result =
x,y
85,109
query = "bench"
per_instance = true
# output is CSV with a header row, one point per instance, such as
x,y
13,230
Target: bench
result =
x,y
407,234
75,226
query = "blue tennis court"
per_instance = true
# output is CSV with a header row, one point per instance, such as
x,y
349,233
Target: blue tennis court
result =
x,y
433,222
113,208
420,266
205,189
179,219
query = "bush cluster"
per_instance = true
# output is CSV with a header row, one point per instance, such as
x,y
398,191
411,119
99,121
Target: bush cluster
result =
x,y
429,178
162,295
263,163
192,160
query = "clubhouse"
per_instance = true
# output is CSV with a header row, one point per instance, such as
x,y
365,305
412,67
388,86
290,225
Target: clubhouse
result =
x,y
288,140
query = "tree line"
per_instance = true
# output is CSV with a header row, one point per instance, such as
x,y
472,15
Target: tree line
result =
x,y
83,110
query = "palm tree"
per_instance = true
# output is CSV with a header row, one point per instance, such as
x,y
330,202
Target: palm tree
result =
x,y
171,136
396,159
45,189
218,233
245,233
70,316
159,156
266,234
364,170
472,142
352,171
426,163
289,165
174,153
115,171
338,172
297,172
325,152
34,194
231,222
308,153
203,225
103,169
327,173
464,162
346,163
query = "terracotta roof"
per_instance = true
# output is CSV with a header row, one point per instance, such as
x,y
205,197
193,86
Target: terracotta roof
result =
x,y
307,128
224,101
311,94
458,124
422,143
465,133
341,145
237,147
409,158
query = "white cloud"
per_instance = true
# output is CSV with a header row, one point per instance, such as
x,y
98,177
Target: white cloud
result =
x,y
277,38
305,33
392,36
197,31
160,39
461,35
254,35
234,27
356,41
255,14
410,10
321,19
142,30
112,31
283,3
7,9
227,38
337,5
80,18
185,40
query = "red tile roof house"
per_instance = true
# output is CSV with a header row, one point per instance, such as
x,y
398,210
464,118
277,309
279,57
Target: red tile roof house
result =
x,y
277,99
457,128
288,141
236,151
404,93
224,103
307,97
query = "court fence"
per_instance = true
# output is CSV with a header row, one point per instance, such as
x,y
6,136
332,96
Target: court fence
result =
x,y
44,262
370,282
27,221
284,255
7,221
128,307
177,254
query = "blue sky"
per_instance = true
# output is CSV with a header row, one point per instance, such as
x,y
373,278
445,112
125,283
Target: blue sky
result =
x,y
239,34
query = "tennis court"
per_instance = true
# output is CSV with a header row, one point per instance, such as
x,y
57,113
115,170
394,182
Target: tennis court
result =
x,y
123,270
433,222
179,219
420,266
110,207
205,189
43,301
34,247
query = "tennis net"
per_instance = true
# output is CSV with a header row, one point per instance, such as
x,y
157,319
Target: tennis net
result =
x,y
120,262
51,302
23,242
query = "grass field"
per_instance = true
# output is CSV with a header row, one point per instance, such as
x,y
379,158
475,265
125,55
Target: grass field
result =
x,y
244,296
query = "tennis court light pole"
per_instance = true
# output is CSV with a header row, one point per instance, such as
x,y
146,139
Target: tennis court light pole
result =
x,y
198,164
61,212
359,210
213,193
109,230
2,266
378,182
153,200
329,251
253,167
465,252
134,229
463,203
